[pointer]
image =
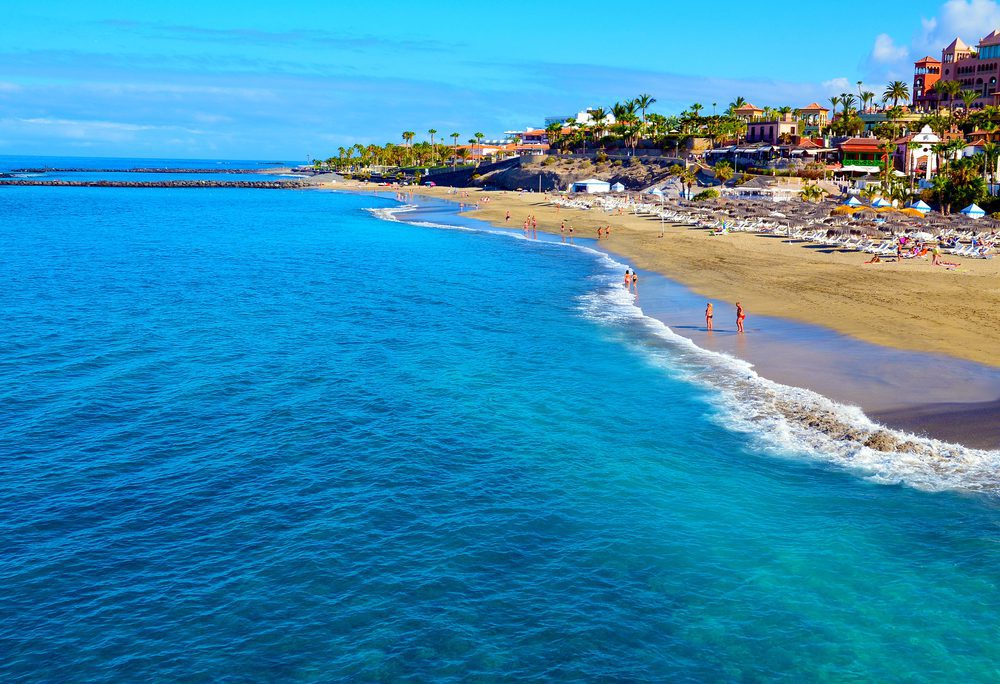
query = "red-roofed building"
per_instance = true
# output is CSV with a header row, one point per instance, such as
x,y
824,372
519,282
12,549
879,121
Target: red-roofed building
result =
x,y
748,112
814,118
926,72
975,70
861,154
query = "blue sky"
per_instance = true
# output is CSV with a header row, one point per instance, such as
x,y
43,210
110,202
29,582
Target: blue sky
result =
x,y
276,80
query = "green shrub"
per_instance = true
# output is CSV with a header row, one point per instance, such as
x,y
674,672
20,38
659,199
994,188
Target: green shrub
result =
x,y
548,161
706,195
601,156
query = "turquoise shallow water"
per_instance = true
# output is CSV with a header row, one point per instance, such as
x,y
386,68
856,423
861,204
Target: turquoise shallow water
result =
x,y
268,436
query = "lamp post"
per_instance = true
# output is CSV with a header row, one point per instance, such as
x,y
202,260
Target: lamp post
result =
x,y
661,214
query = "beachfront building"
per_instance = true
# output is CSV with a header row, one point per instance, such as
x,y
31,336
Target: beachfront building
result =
x,y
814,119
914,153
748,112
926,72
772,131
861,155
976,70
590,186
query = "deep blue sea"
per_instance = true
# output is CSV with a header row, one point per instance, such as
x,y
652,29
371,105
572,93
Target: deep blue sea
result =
x,y
273,436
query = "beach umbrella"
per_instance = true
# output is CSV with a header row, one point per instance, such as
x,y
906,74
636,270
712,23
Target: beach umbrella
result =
x,y
920,206
881,202
657,192
973,211
852,201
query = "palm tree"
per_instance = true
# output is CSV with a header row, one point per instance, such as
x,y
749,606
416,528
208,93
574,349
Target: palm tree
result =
x,y
408,139
847,102
736,104
968,97
688,179
724,171
454,148
432,131
834,101
696,109
867,97
479,139
811,192
599,118
644,102
991,156
896,91
949,89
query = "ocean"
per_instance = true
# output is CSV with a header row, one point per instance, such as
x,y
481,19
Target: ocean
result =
x,y
310,436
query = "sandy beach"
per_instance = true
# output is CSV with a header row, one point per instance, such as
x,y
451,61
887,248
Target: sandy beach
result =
x,y
926,323
911,305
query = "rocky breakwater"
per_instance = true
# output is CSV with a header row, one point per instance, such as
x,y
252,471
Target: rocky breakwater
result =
x,y
263,185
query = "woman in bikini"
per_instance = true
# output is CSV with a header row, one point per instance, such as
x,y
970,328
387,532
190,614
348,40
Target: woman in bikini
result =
x,y
708,316
740,315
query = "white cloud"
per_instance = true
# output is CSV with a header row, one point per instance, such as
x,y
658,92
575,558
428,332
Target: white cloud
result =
x,y
84,130
969,20
836,85
886,51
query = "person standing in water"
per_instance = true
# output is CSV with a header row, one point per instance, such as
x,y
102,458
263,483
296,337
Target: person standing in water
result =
x,y
635,283
708,316
740,315
628,278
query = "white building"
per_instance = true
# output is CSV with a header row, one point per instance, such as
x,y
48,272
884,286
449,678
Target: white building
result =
x,y
590,186
918,150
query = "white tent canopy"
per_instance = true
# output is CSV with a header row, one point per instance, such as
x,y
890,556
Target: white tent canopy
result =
x,y
881,202
853,201
921,205
617,187
973,211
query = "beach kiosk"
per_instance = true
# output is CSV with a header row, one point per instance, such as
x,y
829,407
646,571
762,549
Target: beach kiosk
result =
x,y
617,187
921,206
590,186
973,211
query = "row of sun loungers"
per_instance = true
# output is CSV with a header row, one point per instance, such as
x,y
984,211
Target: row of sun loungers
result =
x,y
722,226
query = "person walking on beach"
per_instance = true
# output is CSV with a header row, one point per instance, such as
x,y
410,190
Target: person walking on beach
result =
x,y
635,283
740,315
628,278
507,219
600,232
708,316
607,231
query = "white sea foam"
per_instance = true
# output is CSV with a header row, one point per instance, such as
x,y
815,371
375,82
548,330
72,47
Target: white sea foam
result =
x,y
781,420
790,421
